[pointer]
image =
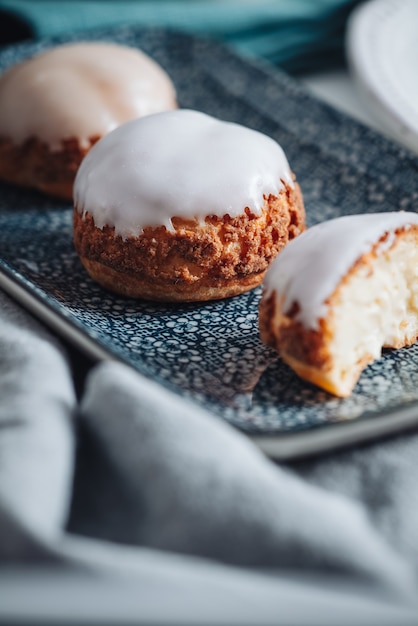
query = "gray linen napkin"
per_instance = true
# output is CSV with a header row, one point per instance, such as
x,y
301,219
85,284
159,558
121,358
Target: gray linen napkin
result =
x,y
36,438
382,479
179,479
162,477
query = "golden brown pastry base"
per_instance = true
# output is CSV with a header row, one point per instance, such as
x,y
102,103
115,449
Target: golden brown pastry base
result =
x,y
303,350
34,164
196,262
131,286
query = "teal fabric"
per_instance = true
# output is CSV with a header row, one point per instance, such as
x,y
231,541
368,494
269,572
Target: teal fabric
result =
x,y
296,34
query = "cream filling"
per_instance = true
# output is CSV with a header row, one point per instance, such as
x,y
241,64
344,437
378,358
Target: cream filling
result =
x,y
377,307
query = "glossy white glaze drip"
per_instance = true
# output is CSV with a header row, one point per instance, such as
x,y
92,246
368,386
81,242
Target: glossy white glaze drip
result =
x,y
177,164
311,266
80,90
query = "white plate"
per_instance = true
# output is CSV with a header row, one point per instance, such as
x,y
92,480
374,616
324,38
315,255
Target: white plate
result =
x,y
382,52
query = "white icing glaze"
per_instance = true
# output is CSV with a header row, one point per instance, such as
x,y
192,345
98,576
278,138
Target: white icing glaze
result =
x,y
80,90
177,164
310,267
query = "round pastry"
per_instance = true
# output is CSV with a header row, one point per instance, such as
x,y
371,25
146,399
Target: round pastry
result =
x,y
55,106
180,206
339,293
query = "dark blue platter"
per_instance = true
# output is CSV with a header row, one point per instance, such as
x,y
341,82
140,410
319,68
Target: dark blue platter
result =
x,y
212,353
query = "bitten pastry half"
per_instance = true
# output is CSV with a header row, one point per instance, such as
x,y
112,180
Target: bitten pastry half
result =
x,y
56,105
180,206
341,292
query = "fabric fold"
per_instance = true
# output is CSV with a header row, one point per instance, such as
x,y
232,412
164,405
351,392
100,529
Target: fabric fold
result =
x,y
380,477
36,431
183,481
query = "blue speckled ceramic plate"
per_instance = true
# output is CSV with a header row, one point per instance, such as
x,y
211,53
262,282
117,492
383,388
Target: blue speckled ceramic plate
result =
x,y
212,353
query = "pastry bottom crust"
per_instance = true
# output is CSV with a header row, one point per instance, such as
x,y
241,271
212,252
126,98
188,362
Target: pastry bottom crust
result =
x,y
136,287
34,164
218,258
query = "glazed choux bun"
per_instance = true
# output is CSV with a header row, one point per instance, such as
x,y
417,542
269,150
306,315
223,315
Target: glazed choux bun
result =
x,y
56,105
180,206
341,292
